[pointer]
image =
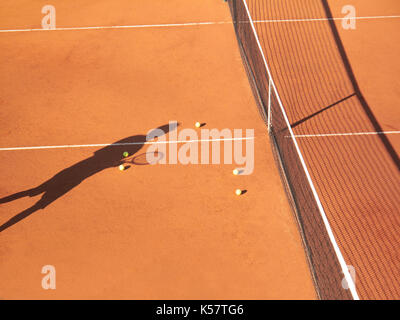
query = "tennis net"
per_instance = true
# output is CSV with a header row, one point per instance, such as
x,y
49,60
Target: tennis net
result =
x,y
329,271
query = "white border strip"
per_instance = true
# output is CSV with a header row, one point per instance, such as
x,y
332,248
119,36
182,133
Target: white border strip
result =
x,y
339,255
344,134
269,104
121,144
187,24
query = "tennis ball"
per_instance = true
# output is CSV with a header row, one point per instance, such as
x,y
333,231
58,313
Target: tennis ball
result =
x,y
121,167
125,154
235,172
197,124
238,192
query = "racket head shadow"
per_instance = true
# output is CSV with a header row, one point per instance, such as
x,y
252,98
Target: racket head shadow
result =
x,y
146,158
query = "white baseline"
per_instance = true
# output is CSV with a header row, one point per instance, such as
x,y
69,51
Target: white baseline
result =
x,y
120,144
344,134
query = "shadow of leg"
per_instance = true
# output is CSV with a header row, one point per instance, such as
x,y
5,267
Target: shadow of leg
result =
x,y
15,196
20,216
27,193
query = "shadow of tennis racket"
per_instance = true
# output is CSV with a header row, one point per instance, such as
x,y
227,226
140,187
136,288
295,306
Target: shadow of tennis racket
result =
x,y
144,159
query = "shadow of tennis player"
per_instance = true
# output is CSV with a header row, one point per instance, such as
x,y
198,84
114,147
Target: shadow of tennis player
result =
x,y
67,179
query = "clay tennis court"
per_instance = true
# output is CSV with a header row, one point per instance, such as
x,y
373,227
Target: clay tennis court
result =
x,y
112,72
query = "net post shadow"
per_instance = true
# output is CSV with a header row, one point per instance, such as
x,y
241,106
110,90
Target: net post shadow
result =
x,y
385,141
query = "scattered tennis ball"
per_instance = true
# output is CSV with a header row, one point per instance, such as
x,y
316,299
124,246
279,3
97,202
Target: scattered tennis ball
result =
x,y
238,192
121,167
125,154
235,172
197,124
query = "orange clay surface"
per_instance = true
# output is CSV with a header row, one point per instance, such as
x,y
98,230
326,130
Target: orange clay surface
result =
x,y
150,232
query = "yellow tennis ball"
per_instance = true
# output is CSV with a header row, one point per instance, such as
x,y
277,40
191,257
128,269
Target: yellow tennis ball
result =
x,y
197,124
121,167
125,154
235,172
238,192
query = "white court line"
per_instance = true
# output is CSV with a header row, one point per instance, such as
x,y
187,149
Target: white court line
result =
x,y
165,25
121,144
326,19
343,134
169,25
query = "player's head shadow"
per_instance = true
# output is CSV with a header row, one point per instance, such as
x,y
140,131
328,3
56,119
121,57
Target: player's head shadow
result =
x,y
68,178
